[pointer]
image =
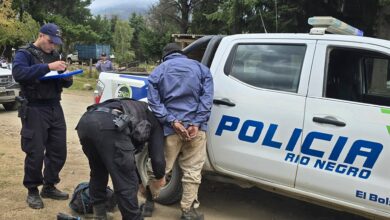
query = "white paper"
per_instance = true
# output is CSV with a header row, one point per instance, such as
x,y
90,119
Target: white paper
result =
x,y
51,73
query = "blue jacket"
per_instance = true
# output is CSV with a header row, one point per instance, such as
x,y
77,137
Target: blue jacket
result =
x,y
24,67
181,89
28,68
104,67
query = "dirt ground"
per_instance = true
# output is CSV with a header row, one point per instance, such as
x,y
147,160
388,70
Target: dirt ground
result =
x,y
218,201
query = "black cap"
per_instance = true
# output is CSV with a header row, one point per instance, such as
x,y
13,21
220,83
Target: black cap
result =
x,y
103,54
171,48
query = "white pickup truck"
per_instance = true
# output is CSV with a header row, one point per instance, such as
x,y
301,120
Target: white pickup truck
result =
x,y
304,115
9,89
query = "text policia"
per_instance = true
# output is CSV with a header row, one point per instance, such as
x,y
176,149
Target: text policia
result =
x,y
368,150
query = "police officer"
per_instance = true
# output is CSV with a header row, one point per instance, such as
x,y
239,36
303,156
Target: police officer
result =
x,y
43,134
104,64
110,133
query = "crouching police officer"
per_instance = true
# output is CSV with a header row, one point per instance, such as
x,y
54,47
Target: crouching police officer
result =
x,y
43,133
110,133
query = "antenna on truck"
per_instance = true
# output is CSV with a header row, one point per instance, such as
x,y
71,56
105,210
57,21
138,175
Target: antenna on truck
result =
x,y
332,25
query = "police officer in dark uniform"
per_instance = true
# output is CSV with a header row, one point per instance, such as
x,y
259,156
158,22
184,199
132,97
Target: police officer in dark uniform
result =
x,y
43,134
110,134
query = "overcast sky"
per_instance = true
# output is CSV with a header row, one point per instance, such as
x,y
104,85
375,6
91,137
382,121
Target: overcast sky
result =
x,y
107,3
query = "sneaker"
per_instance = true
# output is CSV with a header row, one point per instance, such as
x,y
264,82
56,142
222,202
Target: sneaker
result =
x,y
34,201
50,191
191,215
147,208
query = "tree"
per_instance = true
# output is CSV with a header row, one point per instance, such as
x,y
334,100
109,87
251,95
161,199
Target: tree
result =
x,y
122,42
71,16
73,33
159,22
383,19
232,14
137,22
152,43
271,16
201,24
14,32
157,33
102,27
74,10
257,16
177,11
113,21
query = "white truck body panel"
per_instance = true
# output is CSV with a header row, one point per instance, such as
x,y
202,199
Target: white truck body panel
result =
x,y
9,89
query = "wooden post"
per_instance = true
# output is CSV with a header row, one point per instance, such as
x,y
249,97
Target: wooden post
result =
x,y
90,68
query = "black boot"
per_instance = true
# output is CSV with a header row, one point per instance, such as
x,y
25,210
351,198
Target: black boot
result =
x,y
50,191
191,215
99,211
33,199
148,207
62,216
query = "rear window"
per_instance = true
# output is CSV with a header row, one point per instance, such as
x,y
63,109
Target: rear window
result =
x,y
269,66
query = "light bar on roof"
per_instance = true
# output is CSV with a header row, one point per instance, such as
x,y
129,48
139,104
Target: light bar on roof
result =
x,y
332,25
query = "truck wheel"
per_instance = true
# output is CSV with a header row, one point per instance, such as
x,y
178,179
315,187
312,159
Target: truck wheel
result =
x,y
172,191
69,61
10,106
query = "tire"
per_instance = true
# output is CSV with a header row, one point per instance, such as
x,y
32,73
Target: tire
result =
x,y
69,61
172,191
11,106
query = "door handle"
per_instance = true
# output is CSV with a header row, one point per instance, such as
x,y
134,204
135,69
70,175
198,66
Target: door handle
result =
x,y
331,121
224,101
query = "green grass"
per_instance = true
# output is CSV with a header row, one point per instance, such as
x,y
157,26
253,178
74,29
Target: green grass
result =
x,y
87,76
149,67
79,81
87,73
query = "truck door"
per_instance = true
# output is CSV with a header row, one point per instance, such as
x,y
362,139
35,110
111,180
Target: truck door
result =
x,y
260,91
346,129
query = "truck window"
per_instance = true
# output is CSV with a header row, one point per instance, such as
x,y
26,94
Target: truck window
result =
x,y
358,75
268,66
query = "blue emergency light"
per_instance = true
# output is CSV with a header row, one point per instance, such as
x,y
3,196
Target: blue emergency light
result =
x,y
332,25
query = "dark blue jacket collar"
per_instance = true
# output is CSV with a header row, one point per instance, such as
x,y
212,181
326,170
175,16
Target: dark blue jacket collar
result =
x,y
174,55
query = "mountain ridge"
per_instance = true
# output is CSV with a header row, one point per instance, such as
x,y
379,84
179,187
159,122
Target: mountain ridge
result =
x,y
123,10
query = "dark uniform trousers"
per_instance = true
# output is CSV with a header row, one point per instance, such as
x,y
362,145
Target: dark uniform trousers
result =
x,y
110,152
43,138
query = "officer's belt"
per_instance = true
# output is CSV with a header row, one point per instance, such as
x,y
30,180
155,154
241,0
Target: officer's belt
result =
x,y
108,110
42,102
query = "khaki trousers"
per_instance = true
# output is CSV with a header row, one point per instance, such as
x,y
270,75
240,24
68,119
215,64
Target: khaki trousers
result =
x,y
191,156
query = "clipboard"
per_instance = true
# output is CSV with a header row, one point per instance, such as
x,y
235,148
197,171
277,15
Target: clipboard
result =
x,y
56,75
